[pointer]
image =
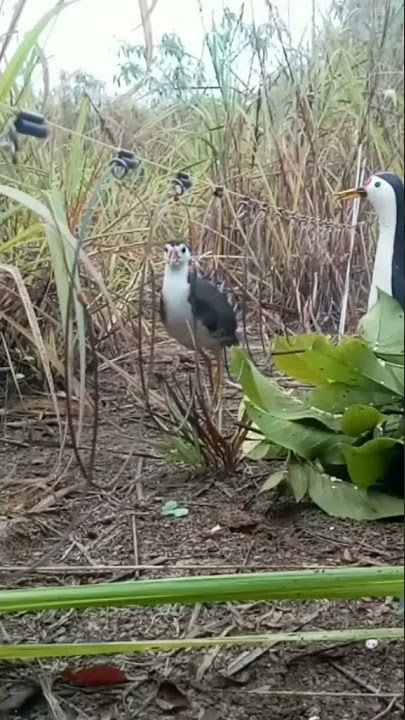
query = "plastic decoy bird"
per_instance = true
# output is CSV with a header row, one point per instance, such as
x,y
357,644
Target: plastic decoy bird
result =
x,y
386,194
193,310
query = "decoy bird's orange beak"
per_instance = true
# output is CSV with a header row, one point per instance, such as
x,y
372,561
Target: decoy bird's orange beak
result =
x,y
352,193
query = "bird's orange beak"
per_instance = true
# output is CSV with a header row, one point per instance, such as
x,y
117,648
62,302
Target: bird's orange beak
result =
x,y
352,194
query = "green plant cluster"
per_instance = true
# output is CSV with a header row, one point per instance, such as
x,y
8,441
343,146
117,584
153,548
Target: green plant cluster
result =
x,y
342,439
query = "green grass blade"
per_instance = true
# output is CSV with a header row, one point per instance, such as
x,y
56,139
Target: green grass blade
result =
x,y
347,583
15,65
35,652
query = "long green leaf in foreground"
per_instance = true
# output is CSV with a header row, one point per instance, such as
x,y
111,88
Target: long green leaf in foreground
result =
x,y
36,652
347,583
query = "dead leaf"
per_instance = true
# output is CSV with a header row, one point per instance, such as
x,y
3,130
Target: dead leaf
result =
x,y
209,714
47,502
273,480
226,681
21,698
241,522
170,697
245,659
347,556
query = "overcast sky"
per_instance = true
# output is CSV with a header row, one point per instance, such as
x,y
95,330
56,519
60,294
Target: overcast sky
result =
x,y
87,34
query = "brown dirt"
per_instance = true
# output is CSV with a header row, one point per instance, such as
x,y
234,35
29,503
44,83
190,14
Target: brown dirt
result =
x,y
282,683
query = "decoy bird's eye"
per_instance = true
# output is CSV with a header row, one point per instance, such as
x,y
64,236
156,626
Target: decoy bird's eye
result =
x,y
377,184
183,249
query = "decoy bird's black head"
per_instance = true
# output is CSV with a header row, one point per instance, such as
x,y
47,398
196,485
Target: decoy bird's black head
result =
x,y
177,254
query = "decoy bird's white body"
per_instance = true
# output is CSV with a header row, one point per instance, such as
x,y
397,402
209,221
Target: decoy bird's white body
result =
x,y
385,191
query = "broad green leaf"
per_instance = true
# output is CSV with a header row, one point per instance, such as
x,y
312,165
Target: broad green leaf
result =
x,y
306,441
358,419
289,356
369,463
266,394
371,369
337,397
15,65
383,326
298,477
344,500
273,481
351,363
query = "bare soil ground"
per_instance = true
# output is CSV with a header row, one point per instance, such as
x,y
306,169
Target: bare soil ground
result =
x,y
119,522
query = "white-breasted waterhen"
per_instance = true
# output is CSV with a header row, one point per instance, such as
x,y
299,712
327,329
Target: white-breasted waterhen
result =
x,y
386,193
193,310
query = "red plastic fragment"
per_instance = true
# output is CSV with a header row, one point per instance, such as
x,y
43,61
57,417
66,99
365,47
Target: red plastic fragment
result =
x,y
96,676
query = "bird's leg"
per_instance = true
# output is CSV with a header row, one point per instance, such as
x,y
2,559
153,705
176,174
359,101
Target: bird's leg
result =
x,y
208,363
220,371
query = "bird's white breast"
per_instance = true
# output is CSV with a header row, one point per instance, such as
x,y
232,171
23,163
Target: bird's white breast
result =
x,y
179,320
178,315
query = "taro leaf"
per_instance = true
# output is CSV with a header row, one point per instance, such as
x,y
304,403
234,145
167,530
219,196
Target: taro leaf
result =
x,y
337,397
369,463
267,395
273,481
305,440
345,500
383,327
298,478
359,419
288,355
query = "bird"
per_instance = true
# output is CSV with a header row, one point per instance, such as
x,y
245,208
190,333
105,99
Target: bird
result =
x,y
193,309
385,191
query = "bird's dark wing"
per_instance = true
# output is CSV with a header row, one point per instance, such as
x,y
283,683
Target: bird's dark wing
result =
x,y
212,308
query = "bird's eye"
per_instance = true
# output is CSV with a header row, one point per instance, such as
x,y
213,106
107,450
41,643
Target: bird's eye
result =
x,y
377,184
183,249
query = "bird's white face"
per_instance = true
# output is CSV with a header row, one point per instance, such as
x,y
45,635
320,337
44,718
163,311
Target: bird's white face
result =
x,y
177,255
